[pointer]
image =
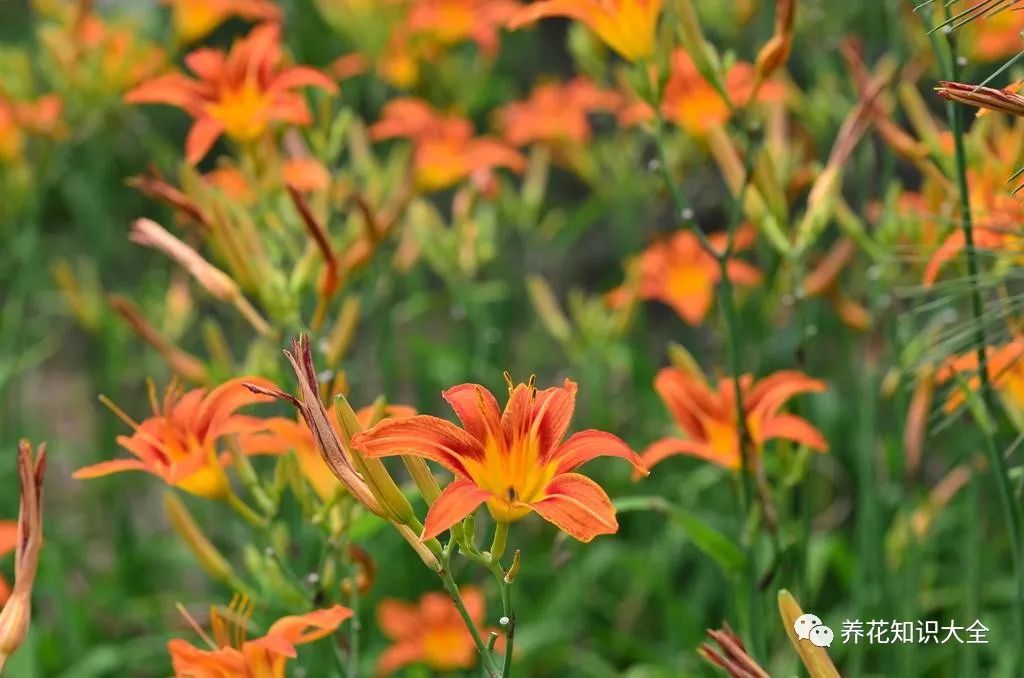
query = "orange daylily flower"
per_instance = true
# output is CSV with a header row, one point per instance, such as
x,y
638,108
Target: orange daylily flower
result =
x,y
8,542
627,26
695,105
450,22
678,272
1005,370
239,93
231,655
295,435
195,19
555,113
996,215
430,632
179,442
41,117
98,56
993,36
445,150
515,460
708,415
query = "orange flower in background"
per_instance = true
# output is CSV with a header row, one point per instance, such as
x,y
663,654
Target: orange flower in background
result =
x,y
627,26
452,21
445,151
993,36
41,117
179,442
195,19
95,55
556,113
695,105
678,272
515,460
997,216
295,435
708,415
231,654
239,93
8,542
1005,370
430,632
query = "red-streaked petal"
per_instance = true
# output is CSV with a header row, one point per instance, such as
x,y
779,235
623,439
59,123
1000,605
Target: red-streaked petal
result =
x,y
457,501
797,429
578,506
200,139
551,415
590,444
477,409
421,436
105,468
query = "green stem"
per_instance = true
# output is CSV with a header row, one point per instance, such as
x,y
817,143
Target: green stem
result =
x,y
510,625
486,657
727,304
1011,514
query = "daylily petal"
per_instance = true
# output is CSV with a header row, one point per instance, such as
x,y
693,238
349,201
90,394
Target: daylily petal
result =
x,y
669,447
551,415
200,139
105,468
397,618
421,436
397,656
797,429
477,409
586,445
457,501
578,506
306,628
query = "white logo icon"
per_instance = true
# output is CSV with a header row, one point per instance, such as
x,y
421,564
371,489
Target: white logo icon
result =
x,y
809,627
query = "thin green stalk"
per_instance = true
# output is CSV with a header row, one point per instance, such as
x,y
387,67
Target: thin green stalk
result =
x,y
486,657
995,458
510,625
727,304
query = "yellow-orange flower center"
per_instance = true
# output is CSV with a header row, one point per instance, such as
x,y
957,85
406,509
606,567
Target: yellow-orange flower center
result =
x,y
515,477
241,111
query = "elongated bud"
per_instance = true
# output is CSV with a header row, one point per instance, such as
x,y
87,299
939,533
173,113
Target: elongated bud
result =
x,y
340,338
315,416
513,569
683,360
814,658
216,282
182,362
692,36
84,300
730,654
380,482
1002,100
776,51
423,477
209,558
548,309
219,284
17,612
